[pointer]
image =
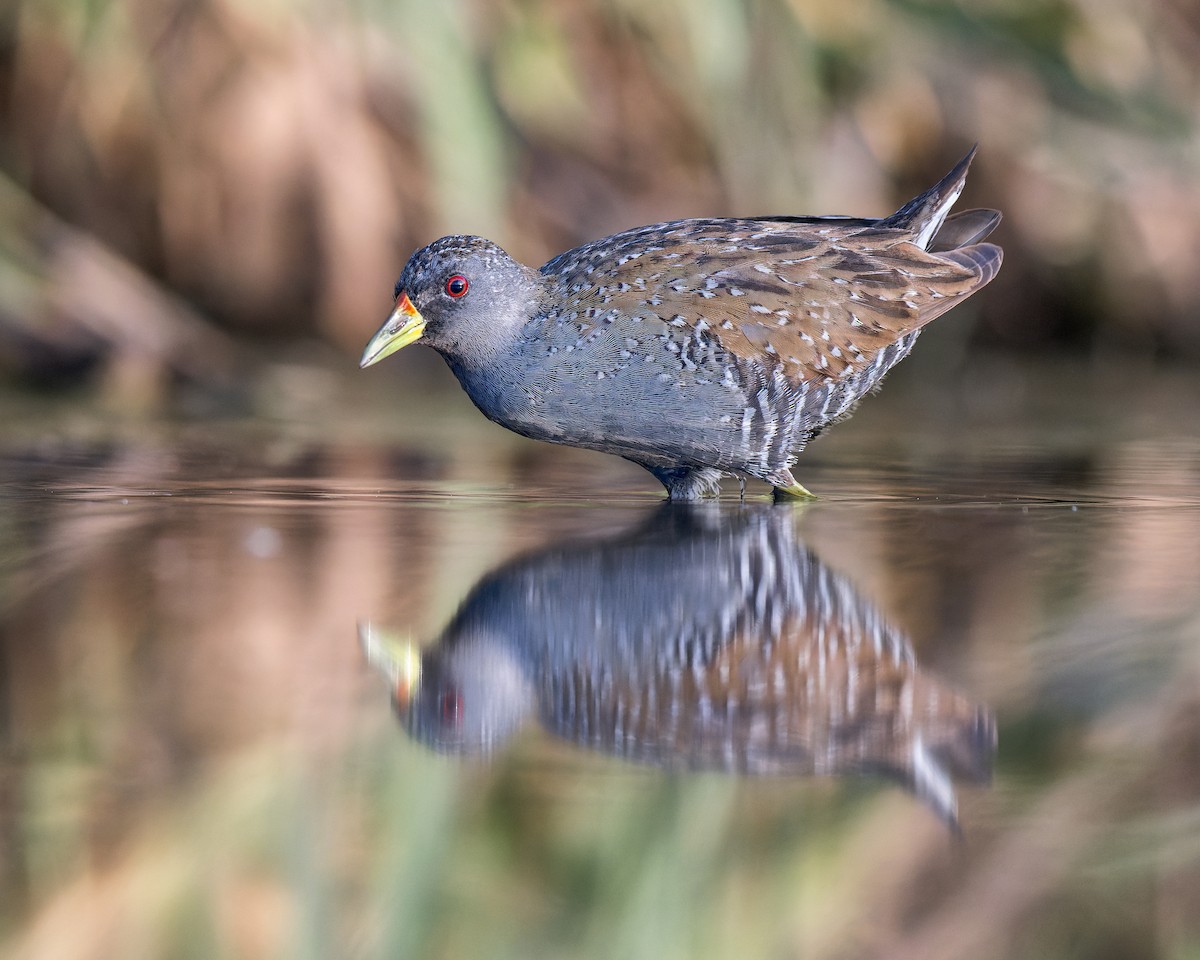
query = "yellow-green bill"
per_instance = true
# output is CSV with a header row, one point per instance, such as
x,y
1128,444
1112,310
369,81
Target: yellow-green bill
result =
x,y
401,328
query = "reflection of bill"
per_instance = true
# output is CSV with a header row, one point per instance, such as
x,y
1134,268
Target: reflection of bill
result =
x,y
706,639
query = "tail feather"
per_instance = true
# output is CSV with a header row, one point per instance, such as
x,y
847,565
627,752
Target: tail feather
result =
x,y
924,215
982,258
963,229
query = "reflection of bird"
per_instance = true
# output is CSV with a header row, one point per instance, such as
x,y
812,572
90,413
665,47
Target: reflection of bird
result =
x,y
702,640
694,347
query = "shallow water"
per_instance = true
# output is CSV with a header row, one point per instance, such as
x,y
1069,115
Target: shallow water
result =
x,y
270,691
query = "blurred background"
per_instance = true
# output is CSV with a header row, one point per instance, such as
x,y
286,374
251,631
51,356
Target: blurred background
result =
x,y
204,205
182,178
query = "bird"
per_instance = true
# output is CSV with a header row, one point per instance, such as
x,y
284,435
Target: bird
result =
x,y
697,348
708,637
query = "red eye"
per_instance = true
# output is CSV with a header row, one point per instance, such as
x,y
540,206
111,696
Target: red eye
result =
x,y
456,286
451,708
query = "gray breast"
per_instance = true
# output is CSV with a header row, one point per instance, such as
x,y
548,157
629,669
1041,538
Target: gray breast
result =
x,y
637,391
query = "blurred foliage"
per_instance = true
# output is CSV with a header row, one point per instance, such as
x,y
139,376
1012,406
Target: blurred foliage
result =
x,y
274,164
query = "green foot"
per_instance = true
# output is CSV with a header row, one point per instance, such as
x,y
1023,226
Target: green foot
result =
x,y
793,491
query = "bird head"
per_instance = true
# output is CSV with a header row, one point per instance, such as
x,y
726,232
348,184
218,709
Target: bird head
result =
x,y
463,296
468,696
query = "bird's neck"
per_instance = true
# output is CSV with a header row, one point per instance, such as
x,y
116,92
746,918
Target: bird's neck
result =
x,y
488,380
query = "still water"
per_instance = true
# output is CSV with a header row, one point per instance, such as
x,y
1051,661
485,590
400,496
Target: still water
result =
x,y
442,693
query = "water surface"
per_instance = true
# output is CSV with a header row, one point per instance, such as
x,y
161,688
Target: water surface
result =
x,y
271,690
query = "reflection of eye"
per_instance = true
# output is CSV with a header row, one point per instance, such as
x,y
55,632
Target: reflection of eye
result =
x,y
451,707
456,286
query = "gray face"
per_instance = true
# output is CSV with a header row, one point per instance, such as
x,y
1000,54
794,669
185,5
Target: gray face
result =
x,y
471,697
474,297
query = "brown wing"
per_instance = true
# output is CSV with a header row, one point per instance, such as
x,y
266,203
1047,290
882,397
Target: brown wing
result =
x,y
819,698
820,297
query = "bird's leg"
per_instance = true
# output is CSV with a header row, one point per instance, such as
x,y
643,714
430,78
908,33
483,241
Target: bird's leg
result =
x,y
688,483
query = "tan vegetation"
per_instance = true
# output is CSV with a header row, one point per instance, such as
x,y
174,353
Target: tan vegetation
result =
x,y
274,165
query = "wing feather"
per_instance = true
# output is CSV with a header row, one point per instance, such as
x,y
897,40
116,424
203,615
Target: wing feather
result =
x,y
818,298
